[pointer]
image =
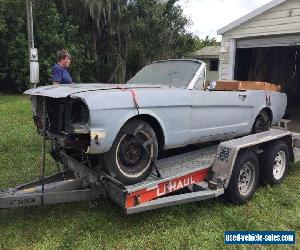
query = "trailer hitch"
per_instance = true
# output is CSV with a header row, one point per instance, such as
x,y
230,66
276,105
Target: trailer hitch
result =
x,y
50,192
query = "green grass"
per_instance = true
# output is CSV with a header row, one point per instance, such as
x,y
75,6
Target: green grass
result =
x,y
104,226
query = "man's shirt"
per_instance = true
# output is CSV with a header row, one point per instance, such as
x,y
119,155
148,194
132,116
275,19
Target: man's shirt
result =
x,y
61,75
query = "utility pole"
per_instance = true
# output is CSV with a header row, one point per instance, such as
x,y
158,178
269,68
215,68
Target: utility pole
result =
x,y
33,53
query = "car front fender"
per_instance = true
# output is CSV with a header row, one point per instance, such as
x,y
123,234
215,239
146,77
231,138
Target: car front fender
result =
x,y
102,137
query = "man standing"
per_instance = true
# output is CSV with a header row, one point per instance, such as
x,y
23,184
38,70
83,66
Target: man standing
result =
x,y
60,74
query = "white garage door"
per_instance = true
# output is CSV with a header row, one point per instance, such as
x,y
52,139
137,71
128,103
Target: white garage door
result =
x,y
274,41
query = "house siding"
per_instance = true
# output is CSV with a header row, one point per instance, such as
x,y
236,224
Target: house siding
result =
x,y
279,20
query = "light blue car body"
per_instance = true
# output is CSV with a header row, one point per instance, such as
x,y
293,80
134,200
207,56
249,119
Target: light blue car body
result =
x,y
185,116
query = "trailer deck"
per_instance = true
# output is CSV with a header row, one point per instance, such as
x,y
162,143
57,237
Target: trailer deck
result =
x,y
178,166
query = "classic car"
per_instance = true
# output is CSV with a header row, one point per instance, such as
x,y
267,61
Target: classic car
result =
x,y
121,128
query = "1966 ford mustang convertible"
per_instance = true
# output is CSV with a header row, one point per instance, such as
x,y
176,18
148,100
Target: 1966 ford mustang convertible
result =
x,y
122,128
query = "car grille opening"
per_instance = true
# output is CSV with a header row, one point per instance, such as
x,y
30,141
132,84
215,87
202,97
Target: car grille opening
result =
x,y
64,113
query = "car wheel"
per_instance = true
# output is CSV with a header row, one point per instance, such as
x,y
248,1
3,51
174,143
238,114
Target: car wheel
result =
x,y
244,178
275,160
133,153
262,122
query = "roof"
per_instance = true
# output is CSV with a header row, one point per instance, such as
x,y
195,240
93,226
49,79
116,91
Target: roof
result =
x,y
179,59
249,16
208,51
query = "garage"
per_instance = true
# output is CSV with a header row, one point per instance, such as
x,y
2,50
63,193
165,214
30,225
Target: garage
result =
x,y
265,46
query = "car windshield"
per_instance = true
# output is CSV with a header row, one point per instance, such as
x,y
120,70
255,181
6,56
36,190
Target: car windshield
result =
x,y
177,73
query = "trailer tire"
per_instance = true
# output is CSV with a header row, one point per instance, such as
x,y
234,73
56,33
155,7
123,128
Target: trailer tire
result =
x,y
244,178
274,163
127,160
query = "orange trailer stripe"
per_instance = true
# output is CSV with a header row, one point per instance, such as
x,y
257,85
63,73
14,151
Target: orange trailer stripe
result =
x,y
163,188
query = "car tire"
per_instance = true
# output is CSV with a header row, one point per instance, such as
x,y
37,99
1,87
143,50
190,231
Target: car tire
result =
x,y
128,160
274,163
244,178
262,122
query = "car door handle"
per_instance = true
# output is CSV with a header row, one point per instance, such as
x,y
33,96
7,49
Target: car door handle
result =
x,y
242,97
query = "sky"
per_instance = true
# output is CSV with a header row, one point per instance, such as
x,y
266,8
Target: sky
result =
x,y
208,16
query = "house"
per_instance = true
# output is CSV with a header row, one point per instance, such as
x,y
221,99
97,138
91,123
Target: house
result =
x,y
209,55
265,46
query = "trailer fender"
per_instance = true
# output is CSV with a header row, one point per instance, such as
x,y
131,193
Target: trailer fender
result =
x,y
228,151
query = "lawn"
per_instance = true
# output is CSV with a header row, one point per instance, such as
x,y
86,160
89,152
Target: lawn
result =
x,y
103,225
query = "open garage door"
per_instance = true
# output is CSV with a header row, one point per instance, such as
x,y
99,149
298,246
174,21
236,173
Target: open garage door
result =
x,y
262,42
275,60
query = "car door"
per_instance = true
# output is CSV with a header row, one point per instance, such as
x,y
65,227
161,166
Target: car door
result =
x,y
217,115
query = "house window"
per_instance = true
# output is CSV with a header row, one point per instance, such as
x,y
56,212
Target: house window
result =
x,y
214,65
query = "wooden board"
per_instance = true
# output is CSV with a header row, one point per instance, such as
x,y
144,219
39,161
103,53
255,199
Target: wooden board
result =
x,y
231,85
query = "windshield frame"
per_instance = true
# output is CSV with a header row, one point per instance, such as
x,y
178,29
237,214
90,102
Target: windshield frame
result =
x,y
194,78
200,72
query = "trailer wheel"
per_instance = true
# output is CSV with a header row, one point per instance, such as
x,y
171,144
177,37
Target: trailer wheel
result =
x,y
244,178
274,164
133,153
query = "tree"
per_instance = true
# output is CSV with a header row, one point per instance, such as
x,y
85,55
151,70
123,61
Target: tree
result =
x,y
159,33
108,40
201,43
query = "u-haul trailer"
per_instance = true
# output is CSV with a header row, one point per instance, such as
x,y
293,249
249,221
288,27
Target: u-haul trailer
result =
x,y
232,168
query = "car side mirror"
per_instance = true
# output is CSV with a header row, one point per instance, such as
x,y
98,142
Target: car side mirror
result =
x,y
212,85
